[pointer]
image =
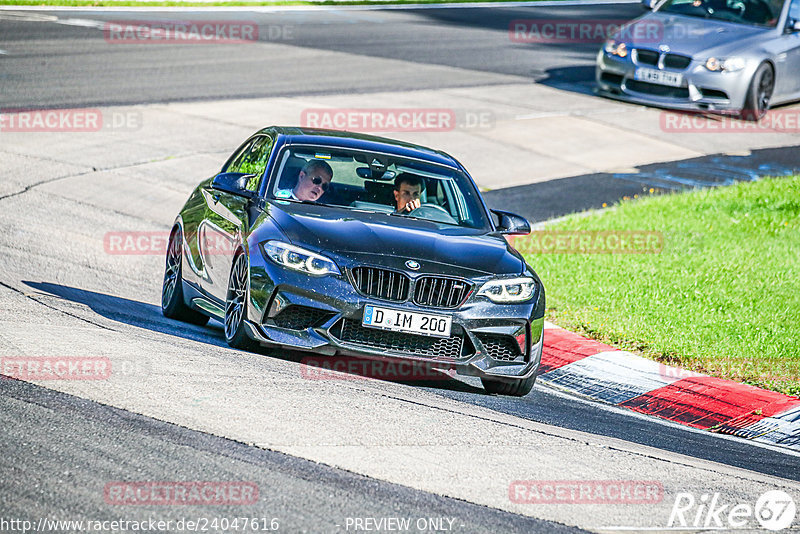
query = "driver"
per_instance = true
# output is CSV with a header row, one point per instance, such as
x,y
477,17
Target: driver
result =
x,y
313,181
407,190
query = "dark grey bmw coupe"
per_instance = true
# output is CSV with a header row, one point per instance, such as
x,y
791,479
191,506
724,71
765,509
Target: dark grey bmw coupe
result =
x,y
347,244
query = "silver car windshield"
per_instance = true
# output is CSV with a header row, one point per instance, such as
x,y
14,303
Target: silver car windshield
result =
x,y
357,180
753,12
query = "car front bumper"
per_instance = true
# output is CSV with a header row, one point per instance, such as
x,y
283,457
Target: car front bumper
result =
x,y
324,316
701,90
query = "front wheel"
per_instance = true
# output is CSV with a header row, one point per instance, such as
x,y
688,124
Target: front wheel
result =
x,y
236,306
759,94
517,388
172,304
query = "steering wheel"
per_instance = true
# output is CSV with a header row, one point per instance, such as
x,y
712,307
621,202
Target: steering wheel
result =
x,y
433,212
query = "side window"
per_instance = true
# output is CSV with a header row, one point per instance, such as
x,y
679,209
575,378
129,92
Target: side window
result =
x,y
794,10
253,159
237,162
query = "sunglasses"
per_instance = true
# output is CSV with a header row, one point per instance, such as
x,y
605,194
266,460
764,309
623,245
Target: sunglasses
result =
x,y
319,181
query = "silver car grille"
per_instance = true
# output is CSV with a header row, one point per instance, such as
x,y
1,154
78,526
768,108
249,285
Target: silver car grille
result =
x,y
661,60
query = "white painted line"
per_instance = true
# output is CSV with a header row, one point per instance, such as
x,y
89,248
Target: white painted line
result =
x,y
26,17
86,23
334,7
3,52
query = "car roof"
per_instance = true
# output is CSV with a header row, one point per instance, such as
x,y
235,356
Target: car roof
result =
x,y
313,136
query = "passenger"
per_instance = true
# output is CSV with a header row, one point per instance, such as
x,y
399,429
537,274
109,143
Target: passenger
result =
x,y
313,181
407,191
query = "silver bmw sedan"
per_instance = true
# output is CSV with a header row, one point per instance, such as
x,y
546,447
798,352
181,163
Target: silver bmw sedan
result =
x,y
735,57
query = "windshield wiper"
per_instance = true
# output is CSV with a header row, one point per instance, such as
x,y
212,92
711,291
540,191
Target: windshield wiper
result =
x,y
312,202
435,221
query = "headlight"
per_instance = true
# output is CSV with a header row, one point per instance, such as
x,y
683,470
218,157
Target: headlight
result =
x,y
731,64
616,49
508,290
298,259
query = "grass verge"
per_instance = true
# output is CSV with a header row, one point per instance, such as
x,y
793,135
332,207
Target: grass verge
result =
x,y
722,297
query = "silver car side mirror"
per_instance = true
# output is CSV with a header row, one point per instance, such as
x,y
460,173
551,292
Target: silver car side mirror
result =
x,y
795,26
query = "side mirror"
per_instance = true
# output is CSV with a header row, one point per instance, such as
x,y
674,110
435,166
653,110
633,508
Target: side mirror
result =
x,y
794,26
234,183
649,4
511,223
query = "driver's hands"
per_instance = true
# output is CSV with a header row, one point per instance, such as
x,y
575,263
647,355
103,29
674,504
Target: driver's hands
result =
x,y
412,205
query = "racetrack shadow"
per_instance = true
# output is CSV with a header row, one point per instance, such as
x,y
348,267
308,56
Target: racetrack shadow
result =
x,y
149,317
132,312
541,201
576,79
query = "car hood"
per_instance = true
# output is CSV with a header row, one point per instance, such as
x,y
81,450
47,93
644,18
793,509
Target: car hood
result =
x,y
690,36
392,240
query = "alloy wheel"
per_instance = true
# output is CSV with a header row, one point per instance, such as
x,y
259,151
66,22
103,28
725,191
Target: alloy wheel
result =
x,y
172,270
235,301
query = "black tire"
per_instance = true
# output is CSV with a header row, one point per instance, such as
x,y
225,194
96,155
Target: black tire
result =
x,y
236,306
517,388
759,94
172,303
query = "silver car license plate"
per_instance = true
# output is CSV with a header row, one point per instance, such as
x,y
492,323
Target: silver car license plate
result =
x,y
659,76
404,321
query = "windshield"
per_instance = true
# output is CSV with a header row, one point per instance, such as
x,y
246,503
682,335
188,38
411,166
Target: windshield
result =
x,y
755,12
377,182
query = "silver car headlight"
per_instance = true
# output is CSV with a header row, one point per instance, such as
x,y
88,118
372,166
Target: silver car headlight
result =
x,y
615,49
731,64
298,259
508,290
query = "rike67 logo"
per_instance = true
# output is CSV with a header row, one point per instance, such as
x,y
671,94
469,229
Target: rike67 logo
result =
x,y
774,510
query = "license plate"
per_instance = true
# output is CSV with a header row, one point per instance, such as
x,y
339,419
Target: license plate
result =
x,y
658,76
404,321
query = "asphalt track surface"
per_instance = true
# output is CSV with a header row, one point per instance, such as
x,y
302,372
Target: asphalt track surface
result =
x,y
50,436
70,65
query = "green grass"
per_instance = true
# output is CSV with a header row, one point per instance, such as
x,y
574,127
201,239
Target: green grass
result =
x,y
722,297
190,3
